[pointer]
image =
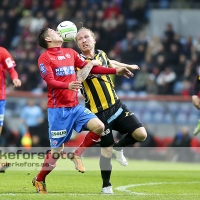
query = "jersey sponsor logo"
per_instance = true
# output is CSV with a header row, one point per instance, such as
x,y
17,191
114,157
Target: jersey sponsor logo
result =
x,y
52,59
106,132
61,57
67,55
58,134
64,71
87,111
9,62
42,68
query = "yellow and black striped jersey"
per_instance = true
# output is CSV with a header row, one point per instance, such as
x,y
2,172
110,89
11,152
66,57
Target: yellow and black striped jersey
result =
x,y
98,89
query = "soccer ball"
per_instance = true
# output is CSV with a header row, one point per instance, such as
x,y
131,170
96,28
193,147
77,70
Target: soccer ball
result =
x,y
68,30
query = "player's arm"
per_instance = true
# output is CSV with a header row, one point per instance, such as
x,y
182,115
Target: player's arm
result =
x,y
116,64
195,98
14,76
80,63
10,64
85,68
47,74
51,82
82,75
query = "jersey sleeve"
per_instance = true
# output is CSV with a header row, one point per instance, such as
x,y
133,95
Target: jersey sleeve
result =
x,y
44,65
79,61
7,59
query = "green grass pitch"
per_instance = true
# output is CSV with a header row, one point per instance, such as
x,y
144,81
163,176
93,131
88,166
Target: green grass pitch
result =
x,y
141,180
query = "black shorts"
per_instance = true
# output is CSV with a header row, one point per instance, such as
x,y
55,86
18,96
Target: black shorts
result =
x,y
118,118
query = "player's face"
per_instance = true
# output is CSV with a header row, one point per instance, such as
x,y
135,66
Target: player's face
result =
x,y
54,36
85,41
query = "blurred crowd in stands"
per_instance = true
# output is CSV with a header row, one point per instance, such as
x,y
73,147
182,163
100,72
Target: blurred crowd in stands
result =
x,y
168,64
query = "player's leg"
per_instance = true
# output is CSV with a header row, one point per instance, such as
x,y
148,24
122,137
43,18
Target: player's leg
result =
x,y
106,143
128,123
95,127
89,121
48,165
4,165
106,170
61,123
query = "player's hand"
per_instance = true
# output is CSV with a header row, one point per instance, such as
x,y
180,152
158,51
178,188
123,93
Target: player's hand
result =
x,y
75,85
132,67
123,71
17,82
95,62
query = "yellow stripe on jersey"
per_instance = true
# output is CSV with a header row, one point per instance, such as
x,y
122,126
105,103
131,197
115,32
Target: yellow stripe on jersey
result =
x,y
100,91
109,89
90,96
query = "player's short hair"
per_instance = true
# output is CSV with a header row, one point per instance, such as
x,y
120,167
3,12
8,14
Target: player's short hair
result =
x,y
84,29
41,37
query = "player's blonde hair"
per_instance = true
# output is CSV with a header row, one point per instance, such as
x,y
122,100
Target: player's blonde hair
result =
x,y
84,29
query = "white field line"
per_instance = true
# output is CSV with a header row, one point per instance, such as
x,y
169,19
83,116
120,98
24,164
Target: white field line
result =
x,y
123,189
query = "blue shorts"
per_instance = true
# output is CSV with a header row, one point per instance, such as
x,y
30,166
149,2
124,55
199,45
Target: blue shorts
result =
x,y
62,121
2,111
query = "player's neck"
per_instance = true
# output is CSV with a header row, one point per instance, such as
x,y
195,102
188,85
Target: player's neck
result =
x,y
54,44
88,54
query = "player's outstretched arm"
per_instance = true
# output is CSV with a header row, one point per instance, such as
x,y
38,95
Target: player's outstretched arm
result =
x,y
116,64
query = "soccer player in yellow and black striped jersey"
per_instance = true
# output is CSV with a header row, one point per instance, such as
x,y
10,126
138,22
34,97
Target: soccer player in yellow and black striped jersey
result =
x,y
196,100
101,98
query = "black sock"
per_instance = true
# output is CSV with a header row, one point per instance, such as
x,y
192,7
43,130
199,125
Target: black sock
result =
x,y
106,169
123,142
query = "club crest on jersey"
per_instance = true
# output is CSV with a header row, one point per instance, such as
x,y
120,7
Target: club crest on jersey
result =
x,y
87,111
54,142
42,68
67,55
64,71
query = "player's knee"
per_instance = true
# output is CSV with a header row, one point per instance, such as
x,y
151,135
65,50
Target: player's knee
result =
x,y
99,128
57,152
140,134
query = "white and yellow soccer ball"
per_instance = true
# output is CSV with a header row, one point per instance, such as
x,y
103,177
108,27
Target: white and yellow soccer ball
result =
x,y
68,30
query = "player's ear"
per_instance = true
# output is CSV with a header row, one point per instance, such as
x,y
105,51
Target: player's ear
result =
x,y
48,39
